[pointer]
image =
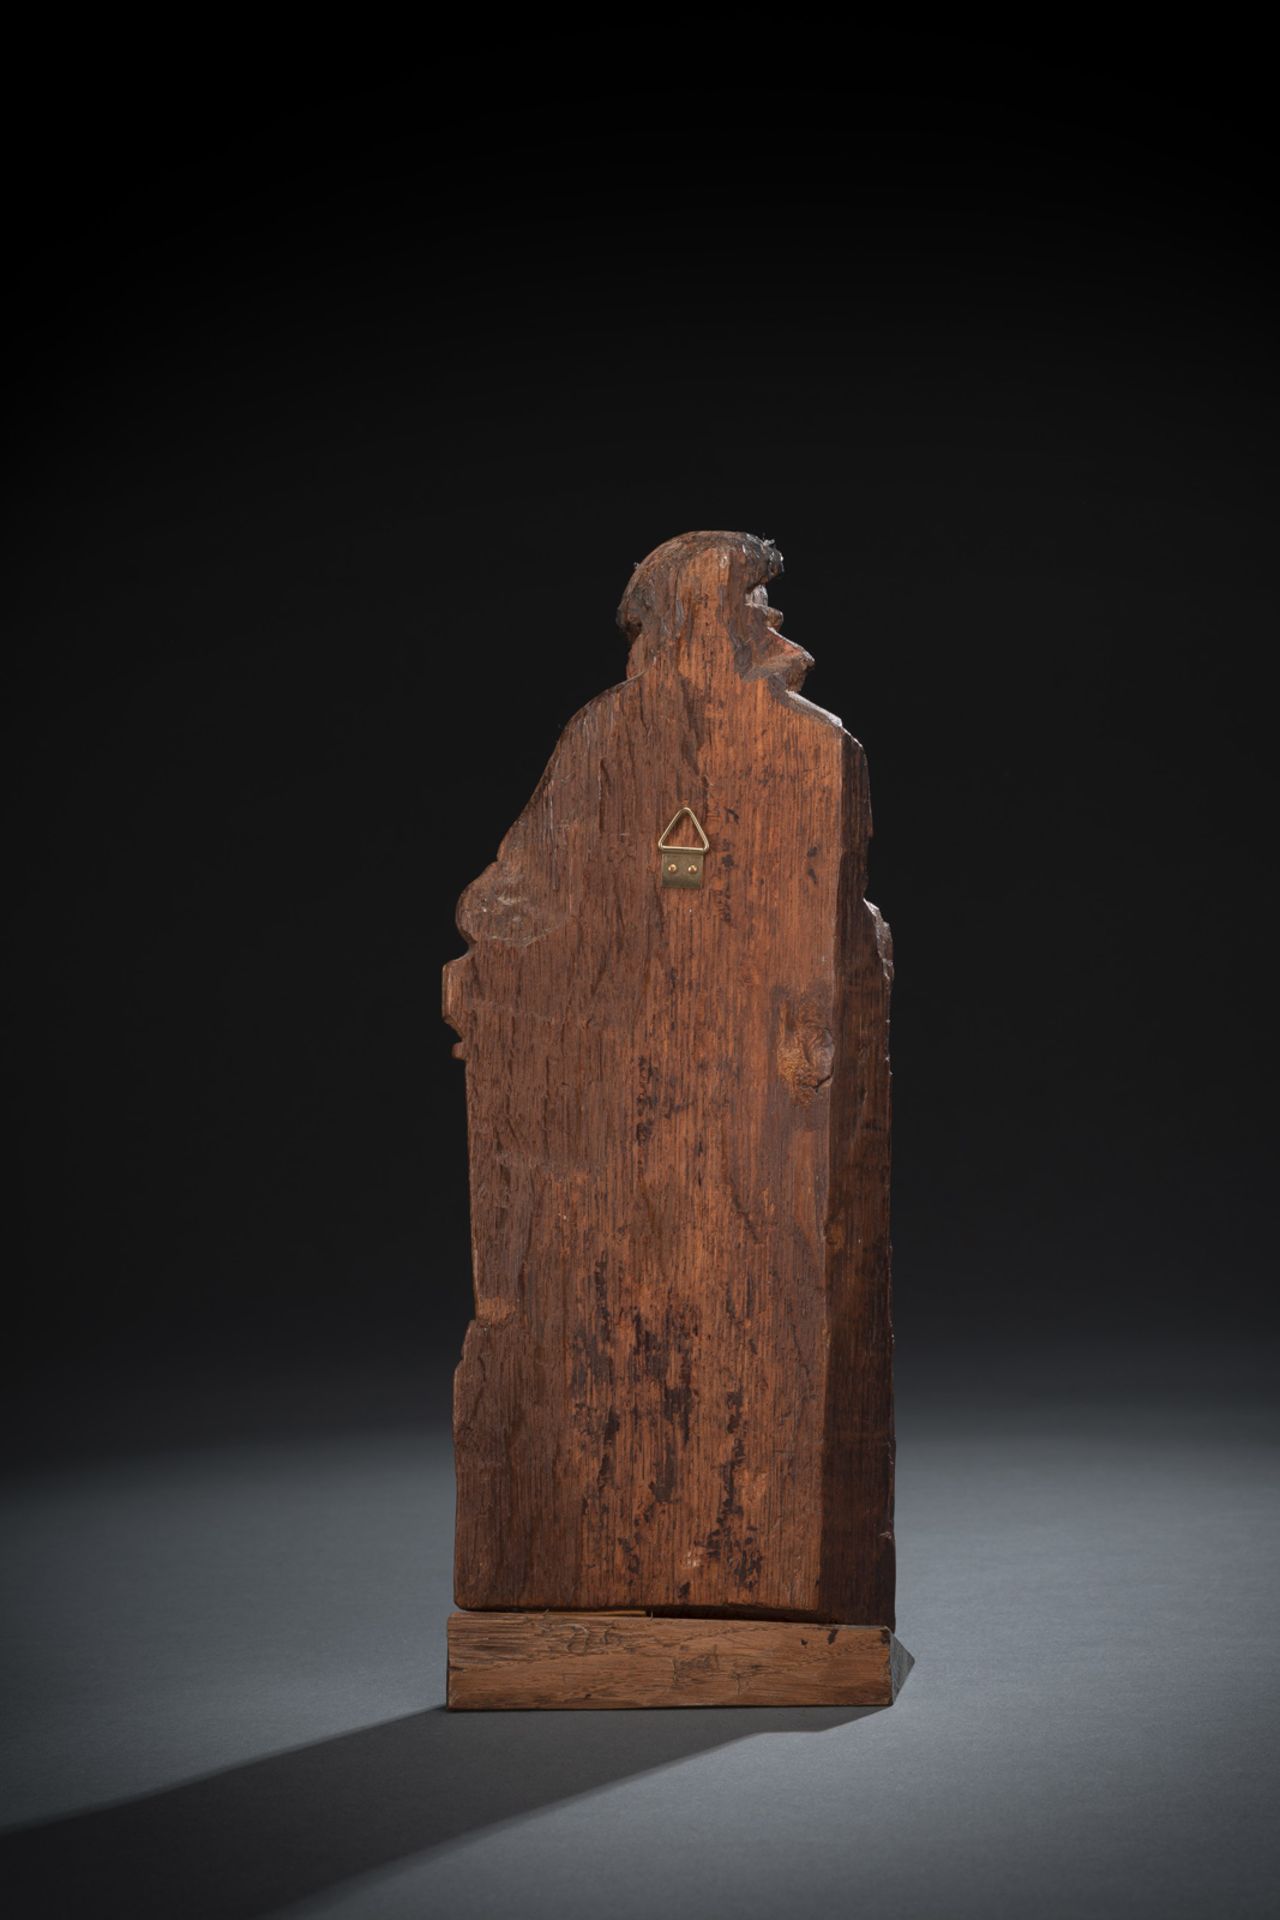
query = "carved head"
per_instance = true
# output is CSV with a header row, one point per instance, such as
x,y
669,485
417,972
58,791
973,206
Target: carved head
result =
x,y
691,590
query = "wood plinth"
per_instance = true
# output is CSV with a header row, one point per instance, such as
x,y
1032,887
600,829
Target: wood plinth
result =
x,y
519,1660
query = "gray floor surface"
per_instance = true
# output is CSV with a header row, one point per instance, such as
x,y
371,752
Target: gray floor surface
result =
x,y
226,1671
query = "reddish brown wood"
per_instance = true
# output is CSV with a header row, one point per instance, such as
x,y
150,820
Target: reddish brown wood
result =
x,y
613,1660
676,1391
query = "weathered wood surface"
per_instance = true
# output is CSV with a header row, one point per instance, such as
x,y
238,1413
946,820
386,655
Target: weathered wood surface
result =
x,y
501,1660
676,1391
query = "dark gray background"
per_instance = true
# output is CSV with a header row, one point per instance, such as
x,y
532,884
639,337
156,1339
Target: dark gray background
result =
x,y
334,437
228,1670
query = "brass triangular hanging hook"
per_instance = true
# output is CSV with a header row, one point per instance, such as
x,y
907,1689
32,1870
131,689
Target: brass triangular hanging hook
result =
x,y
682,865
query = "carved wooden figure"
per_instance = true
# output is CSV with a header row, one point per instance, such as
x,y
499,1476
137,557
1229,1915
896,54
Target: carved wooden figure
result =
x,y
673,1416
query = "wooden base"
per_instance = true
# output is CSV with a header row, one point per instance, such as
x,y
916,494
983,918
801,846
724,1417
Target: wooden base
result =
x,y
516,1660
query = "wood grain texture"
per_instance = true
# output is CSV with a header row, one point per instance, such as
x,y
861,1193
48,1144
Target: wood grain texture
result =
x,y
677,1389
499,1660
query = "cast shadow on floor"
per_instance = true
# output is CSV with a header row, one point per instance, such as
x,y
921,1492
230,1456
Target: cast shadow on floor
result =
x,y
241,1843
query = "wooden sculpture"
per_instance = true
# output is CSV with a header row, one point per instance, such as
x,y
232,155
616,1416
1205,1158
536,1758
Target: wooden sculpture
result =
x,y
673,1416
